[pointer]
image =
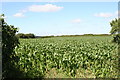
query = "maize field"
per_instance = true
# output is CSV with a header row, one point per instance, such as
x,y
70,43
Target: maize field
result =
x,y
69,54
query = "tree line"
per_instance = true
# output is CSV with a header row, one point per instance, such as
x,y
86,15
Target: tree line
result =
x,y
22,35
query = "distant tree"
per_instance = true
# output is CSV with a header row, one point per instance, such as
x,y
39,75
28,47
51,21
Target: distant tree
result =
x,y
115,31
22,35
88,34
30,35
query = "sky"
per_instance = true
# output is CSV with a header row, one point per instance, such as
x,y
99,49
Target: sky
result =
x,y
61,18
60,0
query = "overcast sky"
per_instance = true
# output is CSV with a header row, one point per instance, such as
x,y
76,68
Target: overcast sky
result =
x,y
61,18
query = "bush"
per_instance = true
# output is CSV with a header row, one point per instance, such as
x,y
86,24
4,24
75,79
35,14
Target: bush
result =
x,y
9,42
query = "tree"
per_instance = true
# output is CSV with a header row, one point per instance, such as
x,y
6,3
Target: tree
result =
x,y
9,42
30,35
22,35
115,31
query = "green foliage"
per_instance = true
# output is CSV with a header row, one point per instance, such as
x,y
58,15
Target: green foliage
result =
x,y
83,35
30,35
88,34
115,31
68,54
101,35
22,35
9,42
47,36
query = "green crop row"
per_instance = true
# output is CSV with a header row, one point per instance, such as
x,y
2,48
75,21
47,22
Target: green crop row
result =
x,y
94,53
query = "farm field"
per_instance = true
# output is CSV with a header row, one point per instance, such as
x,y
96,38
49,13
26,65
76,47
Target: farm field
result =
x,y
68,57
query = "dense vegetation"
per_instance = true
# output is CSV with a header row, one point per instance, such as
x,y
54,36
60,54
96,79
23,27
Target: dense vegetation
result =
x,y
73,35
9,42
22,35
71,55
115,31
94,54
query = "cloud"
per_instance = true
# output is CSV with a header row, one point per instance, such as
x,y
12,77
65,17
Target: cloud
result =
x,y
18,15
105,15
44,8
38,8
76,21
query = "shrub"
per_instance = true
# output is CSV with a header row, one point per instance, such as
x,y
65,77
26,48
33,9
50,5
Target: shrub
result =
x,y
9,42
